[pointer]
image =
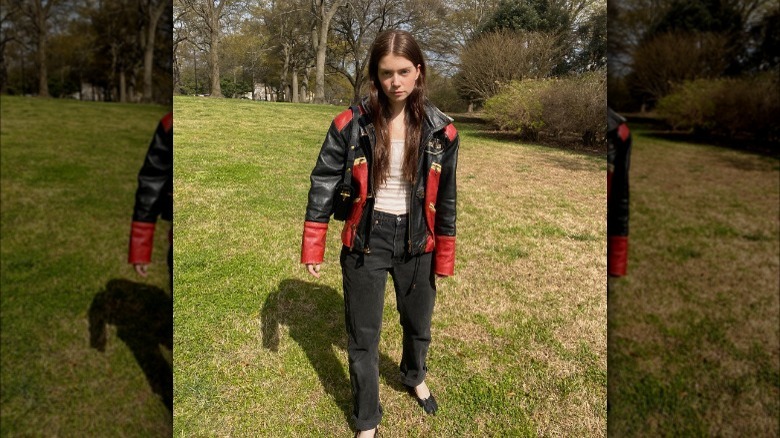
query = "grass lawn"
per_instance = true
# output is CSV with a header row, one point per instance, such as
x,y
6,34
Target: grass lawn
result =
x,y
67,182
519,333
695,326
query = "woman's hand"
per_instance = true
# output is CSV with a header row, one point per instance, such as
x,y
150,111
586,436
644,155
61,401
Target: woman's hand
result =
x,y
313,269
140,268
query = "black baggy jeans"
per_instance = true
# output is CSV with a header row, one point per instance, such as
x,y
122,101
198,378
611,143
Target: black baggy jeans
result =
x,y
364,277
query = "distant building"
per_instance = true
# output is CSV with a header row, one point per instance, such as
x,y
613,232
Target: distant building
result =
x,y
90,92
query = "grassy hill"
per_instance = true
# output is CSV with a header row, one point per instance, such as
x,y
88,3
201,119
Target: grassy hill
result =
x,y
67,177
519,333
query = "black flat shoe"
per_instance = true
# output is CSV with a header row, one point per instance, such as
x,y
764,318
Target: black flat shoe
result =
x,y
429,405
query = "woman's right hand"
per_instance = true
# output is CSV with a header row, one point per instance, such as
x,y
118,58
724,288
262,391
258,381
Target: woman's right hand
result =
x,y
313,269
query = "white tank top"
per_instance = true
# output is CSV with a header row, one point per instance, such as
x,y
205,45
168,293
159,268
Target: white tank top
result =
x,y
393,196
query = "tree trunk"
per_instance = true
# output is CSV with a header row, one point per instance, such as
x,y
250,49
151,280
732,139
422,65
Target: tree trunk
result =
x,y
295,85
122,87
305,85
112,74
216,89
358,84
319,82
320,43
285,69
154,18
43,80
3,72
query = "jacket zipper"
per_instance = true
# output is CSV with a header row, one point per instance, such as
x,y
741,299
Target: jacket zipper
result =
x,y
414,191
371,195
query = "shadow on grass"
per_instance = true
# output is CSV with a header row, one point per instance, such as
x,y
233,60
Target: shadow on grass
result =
x,y
478,127
656,128
315,316
751,146
143,316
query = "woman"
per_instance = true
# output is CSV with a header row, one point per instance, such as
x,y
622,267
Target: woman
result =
x,y
402,220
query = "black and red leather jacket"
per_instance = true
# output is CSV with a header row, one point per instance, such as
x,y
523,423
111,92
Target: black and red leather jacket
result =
x,y
154,196
432,207
618,161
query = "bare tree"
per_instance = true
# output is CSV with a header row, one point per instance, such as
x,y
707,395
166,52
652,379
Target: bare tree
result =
x,y
674,57
355,28
8,13
211,15
323,13
497,58
116,43
180,35
153,10
37,14
289,26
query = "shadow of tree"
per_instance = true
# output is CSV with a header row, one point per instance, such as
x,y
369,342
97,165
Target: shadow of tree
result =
x,y
315,316
479,127
143,316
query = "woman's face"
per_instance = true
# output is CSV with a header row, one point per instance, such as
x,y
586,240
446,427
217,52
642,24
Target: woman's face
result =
x,y
397,76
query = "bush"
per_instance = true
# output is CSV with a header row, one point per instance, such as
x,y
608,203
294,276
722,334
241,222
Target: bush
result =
x,y
734,107
557,107
577,105
503,56
518,108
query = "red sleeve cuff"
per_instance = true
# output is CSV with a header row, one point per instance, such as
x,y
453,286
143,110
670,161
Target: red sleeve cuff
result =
x,y
313,245
141,242
617,255
444,256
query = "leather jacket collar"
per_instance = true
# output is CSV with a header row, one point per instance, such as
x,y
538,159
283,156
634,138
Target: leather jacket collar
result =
x,y
434,121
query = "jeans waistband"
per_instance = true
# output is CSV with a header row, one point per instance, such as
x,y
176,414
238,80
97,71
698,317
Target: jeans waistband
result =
x,y
381,215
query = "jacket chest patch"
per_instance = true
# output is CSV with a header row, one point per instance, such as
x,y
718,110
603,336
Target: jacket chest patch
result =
x,y
434,147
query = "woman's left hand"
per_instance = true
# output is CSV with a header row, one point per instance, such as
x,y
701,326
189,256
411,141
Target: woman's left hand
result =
x,y
313,269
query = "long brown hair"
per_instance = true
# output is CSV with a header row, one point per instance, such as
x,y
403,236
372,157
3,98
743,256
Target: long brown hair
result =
x,y
398,43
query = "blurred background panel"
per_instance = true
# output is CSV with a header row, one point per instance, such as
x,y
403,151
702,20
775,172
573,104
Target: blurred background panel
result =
x,y
694,325
86,345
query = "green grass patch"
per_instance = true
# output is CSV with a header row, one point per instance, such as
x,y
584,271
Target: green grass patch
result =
x,y
68,173
519,340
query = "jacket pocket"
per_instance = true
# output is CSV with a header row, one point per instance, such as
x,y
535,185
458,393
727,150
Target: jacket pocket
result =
x,y
431,192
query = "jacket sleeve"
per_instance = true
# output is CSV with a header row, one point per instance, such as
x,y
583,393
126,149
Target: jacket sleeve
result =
x,y
618,201
444,230
324,179
154,181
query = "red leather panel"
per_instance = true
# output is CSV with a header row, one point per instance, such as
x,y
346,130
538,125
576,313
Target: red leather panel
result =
x,y
343,119
141,242
313,245
360,182
623,132
450,132
444,256
431,192
617,255
167,122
